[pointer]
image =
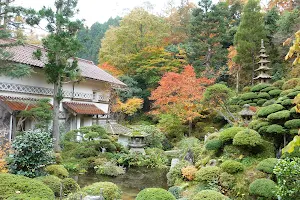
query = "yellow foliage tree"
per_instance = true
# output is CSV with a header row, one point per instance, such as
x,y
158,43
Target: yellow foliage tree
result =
x,y
294,49
130,107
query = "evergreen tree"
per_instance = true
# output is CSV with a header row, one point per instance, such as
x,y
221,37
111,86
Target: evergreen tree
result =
x,y
206,32
8,22
90,38
61,45
248,38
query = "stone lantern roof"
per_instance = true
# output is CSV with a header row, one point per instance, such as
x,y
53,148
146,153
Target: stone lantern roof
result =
x,y
246,112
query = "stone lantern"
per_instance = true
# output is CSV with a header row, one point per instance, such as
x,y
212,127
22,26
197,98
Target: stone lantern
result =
x,y
137,143
246,113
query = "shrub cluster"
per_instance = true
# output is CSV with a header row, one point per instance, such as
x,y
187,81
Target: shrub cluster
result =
x,y
265,111
175,191
189,172
292,124
232,167
290,84
208,174
229,133
69,186
275,129
247,137
53,182
227,180
57,170
263,188
259,87
213,144
110,190
267,165
155,194
110,169
209,195
280,115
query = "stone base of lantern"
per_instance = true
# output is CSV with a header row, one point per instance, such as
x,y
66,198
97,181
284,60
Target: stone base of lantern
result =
x,y
140,150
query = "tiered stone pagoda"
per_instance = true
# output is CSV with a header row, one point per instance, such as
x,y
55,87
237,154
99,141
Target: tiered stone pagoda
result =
x,y
263,76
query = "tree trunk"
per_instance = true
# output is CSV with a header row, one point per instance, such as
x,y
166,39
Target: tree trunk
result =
x,y
55,128
284,139
190,127
237,81
253,65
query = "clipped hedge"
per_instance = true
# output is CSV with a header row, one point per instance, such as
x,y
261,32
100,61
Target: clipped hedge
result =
x,y
110,190
275,129
292,124
267,165
257,124
229,133
209,195
280,115
260,102
248,96
275,92
265,111
247,137
278,83
241,103
267,89
57,170
287,102
294,131
286,92
208,174
53,182
293,94
154,194
28,188
263,188
269,102
70,186
259,87
213,144
264,95
232,166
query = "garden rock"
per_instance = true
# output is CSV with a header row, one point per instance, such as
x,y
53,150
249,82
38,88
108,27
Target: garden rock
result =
x,y
189,156
174,162
212,163
93,198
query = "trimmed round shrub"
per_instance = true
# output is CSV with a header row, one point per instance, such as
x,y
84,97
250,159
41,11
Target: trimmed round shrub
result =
x,y
275,129
265,111
70,186
267,165
287,102
286,92
264,95
227,180
294,131
110,190
252,104
263,188
259,87
293,94
263,129
247,137
260,102
275,92
269,102
234,100
53,182
213,144
28,188
208,174
154,194
57,170
246,89
290,84
292,124
278,83
175,191
241,103
280,115
232,166
209,195
267,89
248,96
229,133
257,124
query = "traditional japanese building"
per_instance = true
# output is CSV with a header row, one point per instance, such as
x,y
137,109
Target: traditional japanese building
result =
x,y
263,69
86,102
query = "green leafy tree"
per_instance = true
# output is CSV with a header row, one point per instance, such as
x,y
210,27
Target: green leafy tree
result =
x,y
8,22
61,45
248,38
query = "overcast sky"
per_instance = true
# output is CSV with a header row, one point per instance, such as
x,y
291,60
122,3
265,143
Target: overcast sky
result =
x,y
101,10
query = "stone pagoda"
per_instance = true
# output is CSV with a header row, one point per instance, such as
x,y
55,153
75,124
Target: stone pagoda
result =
x,y
263,76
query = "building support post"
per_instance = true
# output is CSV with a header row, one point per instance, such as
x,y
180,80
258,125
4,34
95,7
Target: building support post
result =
x,y
10,128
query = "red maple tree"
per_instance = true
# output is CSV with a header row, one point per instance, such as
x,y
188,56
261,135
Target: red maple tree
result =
x,y
180,94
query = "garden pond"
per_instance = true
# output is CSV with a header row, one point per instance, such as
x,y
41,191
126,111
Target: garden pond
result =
x,y
134,180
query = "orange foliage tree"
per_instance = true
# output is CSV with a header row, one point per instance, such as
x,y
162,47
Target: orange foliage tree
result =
x,y
111,69
234,68
180,95
283,5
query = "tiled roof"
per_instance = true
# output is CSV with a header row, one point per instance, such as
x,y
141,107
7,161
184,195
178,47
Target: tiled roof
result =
x,y
18,103
83,108
24,54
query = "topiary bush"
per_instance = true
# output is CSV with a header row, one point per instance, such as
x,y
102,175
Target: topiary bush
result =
x,y
154,194
263,188
278,84
267,89
269,102
275,92
229,133
246,89
290,84
292,124
275,129
264,95
70,186
109,169
110,190
293,94
175,191
209,195
287,102
260,102
265,111
32,151
213,144
57,170
208,174
267,165
248,96
259,87
28,188
247,137
280,115
257,124
53,182
232,166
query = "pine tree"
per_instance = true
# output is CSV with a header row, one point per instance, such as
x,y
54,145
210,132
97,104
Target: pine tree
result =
x,y
61,45
8,16
248,38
